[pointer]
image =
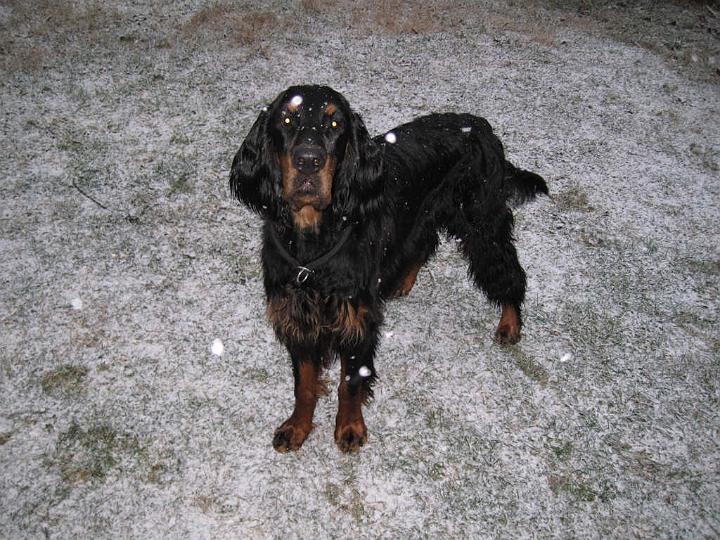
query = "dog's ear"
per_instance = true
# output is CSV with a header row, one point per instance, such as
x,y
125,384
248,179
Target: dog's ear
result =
x,y
255,177
359,187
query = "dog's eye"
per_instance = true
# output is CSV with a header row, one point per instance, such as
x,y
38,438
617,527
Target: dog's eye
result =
x,y
287,121
334,124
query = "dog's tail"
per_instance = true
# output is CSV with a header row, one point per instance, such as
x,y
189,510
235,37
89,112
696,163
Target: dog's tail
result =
x,y
522,186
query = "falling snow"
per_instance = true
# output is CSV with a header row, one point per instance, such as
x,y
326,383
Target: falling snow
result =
x,y
364,371
217,347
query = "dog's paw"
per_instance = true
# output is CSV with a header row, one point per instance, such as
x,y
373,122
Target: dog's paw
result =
x,y
508,329
401,291
507,334
351,436
290,436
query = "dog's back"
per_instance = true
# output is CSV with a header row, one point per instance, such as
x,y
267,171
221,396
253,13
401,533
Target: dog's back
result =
x,y
447,172
431,149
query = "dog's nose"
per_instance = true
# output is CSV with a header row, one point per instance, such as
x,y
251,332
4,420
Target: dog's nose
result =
x,y
309,159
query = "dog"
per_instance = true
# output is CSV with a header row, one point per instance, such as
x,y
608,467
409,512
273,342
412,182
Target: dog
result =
x,y
349,220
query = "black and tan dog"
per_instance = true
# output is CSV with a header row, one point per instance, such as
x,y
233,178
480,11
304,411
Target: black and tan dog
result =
x,y
349,220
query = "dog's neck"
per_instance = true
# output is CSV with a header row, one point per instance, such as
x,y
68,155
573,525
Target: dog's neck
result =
x,y
307,219
310,242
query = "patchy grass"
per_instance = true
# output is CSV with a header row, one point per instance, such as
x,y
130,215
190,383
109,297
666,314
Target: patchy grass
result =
x,y
573,198
684,32
530,367
91,454
236,25
66,380
397,17
579,489
47,29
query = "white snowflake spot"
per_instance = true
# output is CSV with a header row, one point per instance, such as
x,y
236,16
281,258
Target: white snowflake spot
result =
x,y
566,357
76,303
364,372
296,101
390,137
217,347
466,129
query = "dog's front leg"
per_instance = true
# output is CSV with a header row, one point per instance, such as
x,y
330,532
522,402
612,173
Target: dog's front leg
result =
x,y
308,387
357,375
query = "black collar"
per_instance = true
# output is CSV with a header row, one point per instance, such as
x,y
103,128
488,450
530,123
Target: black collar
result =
x,y
304,270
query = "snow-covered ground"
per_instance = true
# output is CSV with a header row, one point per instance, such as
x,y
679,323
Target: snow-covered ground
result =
x,y
123,258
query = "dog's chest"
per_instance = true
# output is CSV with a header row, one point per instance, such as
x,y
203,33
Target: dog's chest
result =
x,y
303,316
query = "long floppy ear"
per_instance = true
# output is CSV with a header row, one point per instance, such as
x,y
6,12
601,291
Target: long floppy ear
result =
x,y
359,186
255,178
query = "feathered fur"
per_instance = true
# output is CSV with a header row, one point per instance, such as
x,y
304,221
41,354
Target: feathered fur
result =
x,y
443,173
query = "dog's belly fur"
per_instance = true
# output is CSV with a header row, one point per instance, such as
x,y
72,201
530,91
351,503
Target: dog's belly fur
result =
x,y
306,318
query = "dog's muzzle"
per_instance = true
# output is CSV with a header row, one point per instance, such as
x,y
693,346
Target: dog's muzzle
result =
x,y
308,160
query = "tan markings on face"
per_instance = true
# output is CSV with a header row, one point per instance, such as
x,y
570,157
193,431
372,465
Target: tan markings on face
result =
x,y
326,175
330,109
306,209
288,175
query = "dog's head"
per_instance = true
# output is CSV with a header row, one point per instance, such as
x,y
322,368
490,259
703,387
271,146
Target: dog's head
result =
x,y
308,156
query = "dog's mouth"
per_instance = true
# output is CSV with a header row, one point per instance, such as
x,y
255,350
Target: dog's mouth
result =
x,y
307,191
307,185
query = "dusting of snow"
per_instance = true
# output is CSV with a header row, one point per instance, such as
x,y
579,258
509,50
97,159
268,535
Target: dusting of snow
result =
x,y
155,436
390,137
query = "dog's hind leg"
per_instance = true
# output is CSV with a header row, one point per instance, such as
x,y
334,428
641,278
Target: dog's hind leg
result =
x,y
485,233
420,247
407,282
